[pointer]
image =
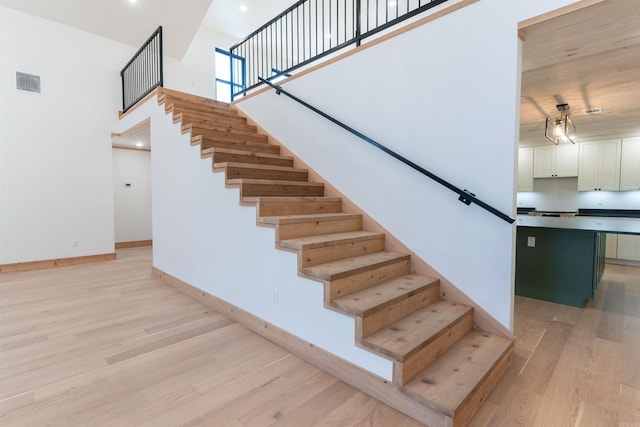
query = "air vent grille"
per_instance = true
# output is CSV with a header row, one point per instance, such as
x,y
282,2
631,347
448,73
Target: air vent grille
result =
x,y
28,82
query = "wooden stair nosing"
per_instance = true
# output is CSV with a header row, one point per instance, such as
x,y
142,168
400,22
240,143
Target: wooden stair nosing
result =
x,y
451,381
380,296
222,155
220,127
174,105
326,240
167,98
193,98
339,269
313,225
227,136
245,146
241,165
186,119
274,206
262,172
262,188
424,325
301,219
241,181
190,116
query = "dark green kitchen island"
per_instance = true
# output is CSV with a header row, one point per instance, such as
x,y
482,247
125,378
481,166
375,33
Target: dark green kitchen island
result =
x,y
562,259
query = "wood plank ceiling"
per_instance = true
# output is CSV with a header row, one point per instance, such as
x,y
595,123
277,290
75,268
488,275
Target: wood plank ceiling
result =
x,y
589,59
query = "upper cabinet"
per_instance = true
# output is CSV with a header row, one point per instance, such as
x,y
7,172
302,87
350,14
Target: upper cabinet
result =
x,y
525,169
630,164
599,165
555,161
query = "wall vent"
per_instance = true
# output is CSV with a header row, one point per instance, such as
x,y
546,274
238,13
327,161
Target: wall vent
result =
x,y
28,82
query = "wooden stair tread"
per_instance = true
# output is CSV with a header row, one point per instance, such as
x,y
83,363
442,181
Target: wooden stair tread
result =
x,y
345,267
240,181
296,199
226,136
413,332
449,381
245,153
293,200
187,119
176,104
206,142
262,172
245,156
220,127
299,219
325,240
252,166
170,93
209,113
375,298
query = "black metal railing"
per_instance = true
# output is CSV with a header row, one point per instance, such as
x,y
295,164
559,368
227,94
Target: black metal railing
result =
x,y
312,29
143,73
465,196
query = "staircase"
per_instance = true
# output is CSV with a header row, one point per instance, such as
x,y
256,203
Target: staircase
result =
x,y
439,359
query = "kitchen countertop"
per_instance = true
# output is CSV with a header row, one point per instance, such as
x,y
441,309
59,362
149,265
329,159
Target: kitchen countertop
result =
x,y
604,225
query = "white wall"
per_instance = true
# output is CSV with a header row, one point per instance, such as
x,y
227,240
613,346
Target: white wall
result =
x,y
203,236
449,102
132,204
195,74
561,194
55,162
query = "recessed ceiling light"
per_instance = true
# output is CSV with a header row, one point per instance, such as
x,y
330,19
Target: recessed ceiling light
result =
x,y
133,1
243,8
139,144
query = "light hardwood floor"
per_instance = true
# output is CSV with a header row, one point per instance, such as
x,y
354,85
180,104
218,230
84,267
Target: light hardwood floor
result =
x,y
107,344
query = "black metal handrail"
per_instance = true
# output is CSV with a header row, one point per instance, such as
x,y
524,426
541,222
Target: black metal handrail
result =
x,y
312,29
465,196
144,71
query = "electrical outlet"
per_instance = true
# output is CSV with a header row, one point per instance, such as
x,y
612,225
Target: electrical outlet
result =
x,y
75,243
531,241
276,296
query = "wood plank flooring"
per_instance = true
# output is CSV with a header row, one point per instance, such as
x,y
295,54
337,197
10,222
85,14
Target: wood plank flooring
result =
x,y
108,345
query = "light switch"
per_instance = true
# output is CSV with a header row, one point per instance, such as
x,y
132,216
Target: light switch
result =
x,y
531,241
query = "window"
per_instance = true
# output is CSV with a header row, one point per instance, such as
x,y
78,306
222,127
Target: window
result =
x,y
230,74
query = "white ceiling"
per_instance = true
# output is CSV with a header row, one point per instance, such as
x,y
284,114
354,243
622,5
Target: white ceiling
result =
x,y
226,16
123,21
589,59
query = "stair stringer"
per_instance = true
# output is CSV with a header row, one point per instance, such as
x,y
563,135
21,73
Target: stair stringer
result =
x,y
481,319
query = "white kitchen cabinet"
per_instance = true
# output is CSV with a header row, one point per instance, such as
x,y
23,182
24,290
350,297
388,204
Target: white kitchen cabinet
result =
x,y
525,169
555,161
630,164
599,166
611,246
628,247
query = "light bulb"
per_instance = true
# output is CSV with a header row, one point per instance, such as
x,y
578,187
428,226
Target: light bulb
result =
x,y
559,129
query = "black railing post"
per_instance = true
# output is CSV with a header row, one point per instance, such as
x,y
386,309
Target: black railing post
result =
x,y
161,58
358,22
465,196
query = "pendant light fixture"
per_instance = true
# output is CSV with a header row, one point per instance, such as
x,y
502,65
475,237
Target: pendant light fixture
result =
x,y
560,129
